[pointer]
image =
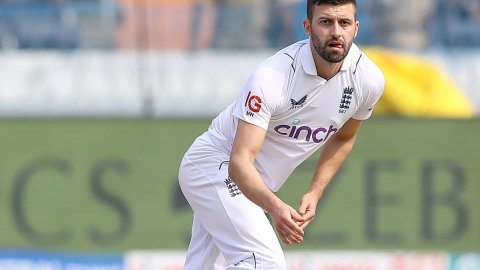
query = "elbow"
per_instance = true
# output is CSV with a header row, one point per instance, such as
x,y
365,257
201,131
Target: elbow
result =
x,y
233,166
231,170
237,163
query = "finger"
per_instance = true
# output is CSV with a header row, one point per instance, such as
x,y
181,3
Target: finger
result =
x,y
283,232
309,214
303,208
305,224
293,237
292,224
296,238
294,228
294,232
296,216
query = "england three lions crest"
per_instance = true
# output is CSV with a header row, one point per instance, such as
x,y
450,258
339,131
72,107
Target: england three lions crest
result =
x,y
346,99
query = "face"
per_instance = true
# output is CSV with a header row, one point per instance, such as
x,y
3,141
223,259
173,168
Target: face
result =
x,y
332,30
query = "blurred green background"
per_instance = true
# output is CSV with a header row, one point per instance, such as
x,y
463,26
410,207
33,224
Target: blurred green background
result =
x,y
111,185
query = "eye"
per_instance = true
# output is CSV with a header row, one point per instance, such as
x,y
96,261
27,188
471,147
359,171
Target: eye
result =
x,y
345,23
324,21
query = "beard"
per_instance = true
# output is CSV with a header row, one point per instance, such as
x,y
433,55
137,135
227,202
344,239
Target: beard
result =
x,y
331,57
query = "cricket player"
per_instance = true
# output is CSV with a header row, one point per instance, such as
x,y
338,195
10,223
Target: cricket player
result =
x,y
311,95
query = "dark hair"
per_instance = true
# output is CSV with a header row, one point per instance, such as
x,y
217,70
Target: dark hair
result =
x,y
311,3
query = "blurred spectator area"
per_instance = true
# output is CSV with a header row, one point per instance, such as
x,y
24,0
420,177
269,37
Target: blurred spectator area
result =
x,y
193,24
225,24
58,24
454,23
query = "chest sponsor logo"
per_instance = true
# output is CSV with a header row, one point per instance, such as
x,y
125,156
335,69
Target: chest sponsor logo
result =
x,y
306,133
346,99
253,103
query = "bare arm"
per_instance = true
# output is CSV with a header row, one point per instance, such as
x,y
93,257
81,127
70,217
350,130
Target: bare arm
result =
x,y
334,153
247,143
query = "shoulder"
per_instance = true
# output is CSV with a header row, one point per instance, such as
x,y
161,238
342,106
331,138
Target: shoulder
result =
x,y
273,74
367,72
283,61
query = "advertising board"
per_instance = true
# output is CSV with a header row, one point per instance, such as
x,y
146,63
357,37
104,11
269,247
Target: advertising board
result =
x,y
110,185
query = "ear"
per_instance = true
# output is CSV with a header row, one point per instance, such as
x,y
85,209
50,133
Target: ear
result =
x,y
357,26
307,27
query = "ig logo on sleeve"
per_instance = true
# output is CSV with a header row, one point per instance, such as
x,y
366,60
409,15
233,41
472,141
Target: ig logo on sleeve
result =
x,y
253,103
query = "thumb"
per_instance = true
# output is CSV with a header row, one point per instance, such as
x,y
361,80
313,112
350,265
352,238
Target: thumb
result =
x,y
303,208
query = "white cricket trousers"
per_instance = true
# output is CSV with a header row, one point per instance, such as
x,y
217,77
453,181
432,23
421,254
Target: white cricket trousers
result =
x,y
224,221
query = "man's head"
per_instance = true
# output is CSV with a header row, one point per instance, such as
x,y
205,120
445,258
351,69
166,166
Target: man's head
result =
x,y
332,26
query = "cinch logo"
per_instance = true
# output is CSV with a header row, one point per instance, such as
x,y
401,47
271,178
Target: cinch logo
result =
x,y
317,135
253,102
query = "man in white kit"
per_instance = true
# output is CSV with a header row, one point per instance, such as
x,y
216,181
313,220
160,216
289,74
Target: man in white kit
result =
x,y
311,95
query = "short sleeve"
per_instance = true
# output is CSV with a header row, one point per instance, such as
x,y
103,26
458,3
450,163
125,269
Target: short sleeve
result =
x,y
254,103
373,87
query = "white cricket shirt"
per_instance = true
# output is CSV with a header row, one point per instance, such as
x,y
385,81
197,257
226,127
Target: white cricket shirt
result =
x,y
298,109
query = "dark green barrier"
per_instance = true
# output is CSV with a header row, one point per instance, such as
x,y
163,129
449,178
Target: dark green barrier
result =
x,y
110,185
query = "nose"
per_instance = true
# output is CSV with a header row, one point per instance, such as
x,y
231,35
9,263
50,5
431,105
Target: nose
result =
x,y
336,30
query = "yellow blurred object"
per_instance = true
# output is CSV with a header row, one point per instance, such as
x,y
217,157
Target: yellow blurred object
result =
x,y
416,87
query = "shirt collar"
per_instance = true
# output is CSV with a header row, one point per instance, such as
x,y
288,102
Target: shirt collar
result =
x,y
309,65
